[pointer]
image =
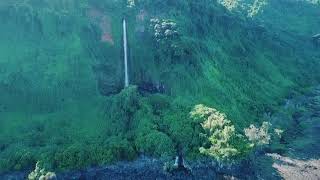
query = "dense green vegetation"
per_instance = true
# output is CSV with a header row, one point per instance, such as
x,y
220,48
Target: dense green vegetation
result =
x,y
61,82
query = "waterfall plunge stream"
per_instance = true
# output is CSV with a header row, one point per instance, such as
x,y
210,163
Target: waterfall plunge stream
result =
x,y
125,49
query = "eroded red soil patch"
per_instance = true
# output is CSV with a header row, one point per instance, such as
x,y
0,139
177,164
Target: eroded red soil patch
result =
x,y
103,21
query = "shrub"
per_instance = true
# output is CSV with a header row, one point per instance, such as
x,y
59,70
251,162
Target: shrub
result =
x,y
80,155
121,148
121,110
131,3
219,132
74,156
40,173
155,143
229,4
168,38
17,158
278,132
259,136
250,8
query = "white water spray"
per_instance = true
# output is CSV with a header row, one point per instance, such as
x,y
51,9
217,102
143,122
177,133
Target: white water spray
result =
x,y
125,49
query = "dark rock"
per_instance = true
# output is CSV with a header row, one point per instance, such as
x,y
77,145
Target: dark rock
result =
x,y
14,176
152,88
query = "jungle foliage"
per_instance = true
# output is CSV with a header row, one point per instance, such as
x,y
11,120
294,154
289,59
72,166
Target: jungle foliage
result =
x,y
62,98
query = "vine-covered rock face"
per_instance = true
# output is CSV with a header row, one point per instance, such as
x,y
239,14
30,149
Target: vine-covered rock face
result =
x,y
62,77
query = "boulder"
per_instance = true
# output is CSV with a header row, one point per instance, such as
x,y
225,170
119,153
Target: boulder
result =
x,y
152,88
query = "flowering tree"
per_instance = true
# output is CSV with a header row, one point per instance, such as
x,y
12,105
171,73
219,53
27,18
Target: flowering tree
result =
x,y
249,7
219,132
259,136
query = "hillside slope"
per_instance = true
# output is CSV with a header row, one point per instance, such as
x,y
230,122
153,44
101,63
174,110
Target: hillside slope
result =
x,y
62,96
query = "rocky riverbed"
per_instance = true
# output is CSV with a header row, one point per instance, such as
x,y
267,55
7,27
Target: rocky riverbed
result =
x,y
299,155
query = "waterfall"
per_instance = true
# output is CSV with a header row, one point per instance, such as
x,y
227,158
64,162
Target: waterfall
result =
x,y
125,49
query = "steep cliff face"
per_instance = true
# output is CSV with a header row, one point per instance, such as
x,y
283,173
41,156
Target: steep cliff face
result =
x,y
42,58
62,66
216,57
